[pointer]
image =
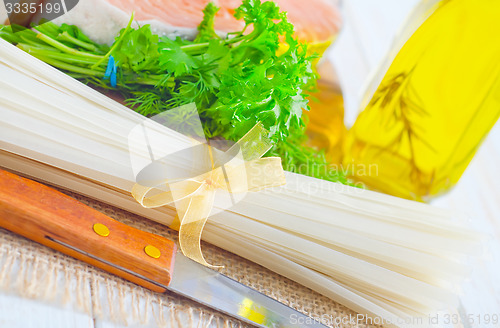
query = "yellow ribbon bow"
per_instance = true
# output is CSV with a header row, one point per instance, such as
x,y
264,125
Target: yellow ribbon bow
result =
x,y
236,171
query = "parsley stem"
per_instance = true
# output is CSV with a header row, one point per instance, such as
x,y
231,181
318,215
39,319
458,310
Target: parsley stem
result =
x,y
54,54
64,48
152,80
69,67
36,44
234,40
117,42
47,31
193,48
66,37
48,28
30,38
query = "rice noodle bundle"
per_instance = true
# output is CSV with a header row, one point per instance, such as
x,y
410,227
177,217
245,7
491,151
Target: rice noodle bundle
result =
x,y
379,255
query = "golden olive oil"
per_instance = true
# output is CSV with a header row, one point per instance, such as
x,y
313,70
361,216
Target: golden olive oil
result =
x,y
325,127
434,105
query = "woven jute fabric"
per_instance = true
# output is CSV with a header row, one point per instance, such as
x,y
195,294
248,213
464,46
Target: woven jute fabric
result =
x,y
35,271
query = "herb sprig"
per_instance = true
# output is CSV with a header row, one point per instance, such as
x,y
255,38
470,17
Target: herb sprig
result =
x,y
259,74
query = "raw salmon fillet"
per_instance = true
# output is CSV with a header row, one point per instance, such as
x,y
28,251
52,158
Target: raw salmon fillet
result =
x,y
314,20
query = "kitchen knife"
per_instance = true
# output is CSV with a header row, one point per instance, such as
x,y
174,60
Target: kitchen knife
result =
x,y
58,221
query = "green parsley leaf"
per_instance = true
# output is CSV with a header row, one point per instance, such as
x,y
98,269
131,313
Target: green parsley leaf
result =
x,y
206,29
173,59
260,74
138,50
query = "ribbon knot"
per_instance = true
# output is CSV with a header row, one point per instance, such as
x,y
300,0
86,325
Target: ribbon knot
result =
x,y
212,182
231,174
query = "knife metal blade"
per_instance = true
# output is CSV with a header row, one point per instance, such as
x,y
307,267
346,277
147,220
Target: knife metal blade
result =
x,y
51,218
215,290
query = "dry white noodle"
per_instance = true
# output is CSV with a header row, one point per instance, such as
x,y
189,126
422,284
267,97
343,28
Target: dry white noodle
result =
x,y
379,255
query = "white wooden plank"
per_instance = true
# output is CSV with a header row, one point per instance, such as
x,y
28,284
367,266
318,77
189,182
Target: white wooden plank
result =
x,y
358,49
376,23
367,34
369,28
17,312
105,324
3,14
352,67
477,195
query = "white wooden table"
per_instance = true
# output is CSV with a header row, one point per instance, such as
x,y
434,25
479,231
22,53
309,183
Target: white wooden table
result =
x,y
366,36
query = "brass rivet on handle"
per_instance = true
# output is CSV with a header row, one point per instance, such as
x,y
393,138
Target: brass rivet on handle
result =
x,y
101,229
152,251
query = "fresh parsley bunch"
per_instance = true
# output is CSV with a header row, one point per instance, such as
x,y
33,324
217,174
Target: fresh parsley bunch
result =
x,y
259,74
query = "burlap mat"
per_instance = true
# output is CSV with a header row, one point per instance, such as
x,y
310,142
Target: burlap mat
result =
x,y
34,271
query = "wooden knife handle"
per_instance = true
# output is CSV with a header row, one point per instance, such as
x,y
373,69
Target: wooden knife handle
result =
x,y
58,221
